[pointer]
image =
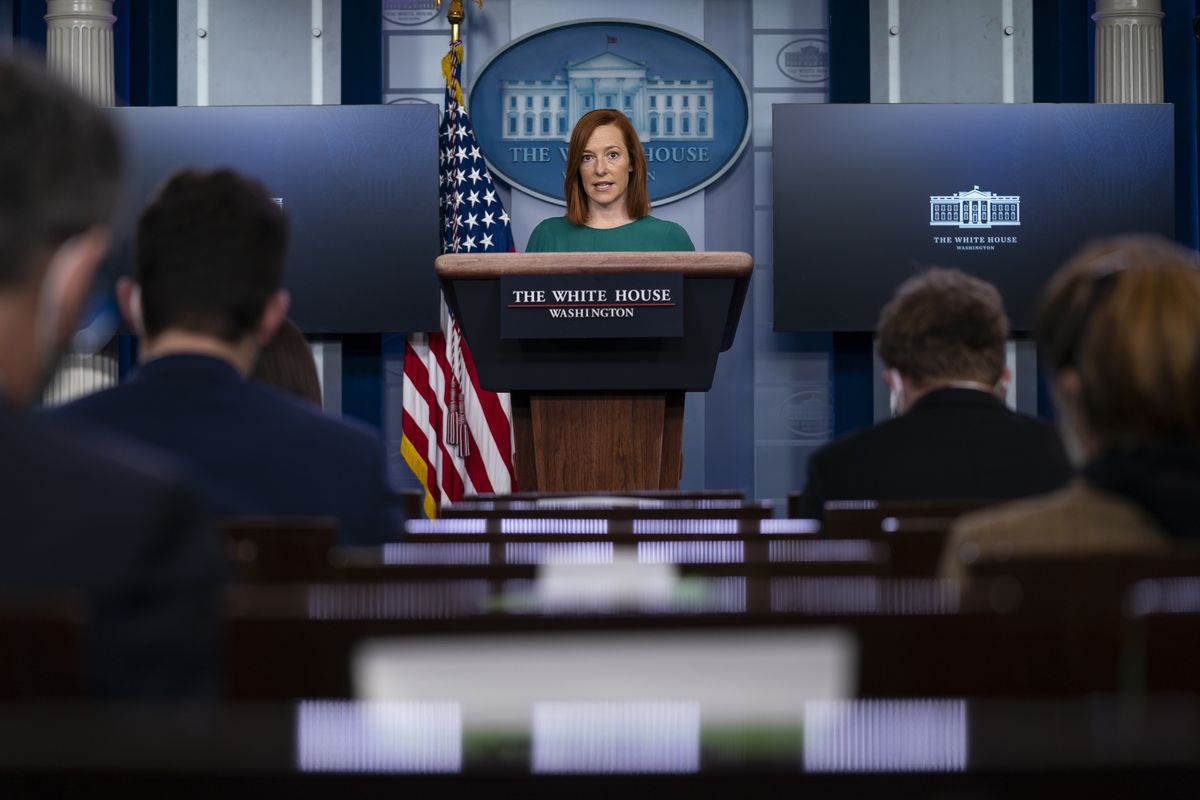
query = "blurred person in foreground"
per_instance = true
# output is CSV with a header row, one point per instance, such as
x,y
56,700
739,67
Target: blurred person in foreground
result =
x,y
1119,329
286,362
94,516
942,337
209,256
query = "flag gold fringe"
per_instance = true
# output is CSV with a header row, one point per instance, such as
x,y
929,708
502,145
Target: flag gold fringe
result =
x,y
456,53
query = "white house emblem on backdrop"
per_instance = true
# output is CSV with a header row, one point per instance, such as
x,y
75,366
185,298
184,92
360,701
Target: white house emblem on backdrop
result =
x,y
805,60
974,209
409,12
808,414
677,110
659,109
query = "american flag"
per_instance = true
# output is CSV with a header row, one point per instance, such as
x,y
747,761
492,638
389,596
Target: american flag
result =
x,y
457,436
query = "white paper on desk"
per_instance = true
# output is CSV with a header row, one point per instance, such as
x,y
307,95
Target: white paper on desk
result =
x,y
597,501
622,583
735,676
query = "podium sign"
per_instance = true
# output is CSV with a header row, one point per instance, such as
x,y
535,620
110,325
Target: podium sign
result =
x,y
617,305
714,288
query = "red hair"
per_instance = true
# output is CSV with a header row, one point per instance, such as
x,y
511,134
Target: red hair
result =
x,y
637,199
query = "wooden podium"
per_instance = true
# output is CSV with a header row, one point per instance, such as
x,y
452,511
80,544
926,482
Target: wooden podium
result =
x,y
602,413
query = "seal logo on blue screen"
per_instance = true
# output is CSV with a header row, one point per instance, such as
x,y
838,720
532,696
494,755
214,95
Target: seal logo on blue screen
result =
x,y
689,106
974,209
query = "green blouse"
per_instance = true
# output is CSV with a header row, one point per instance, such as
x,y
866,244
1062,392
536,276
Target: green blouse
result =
x,y
557,235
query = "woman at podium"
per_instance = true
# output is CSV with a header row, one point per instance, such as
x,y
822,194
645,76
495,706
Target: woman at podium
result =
x,y
608,206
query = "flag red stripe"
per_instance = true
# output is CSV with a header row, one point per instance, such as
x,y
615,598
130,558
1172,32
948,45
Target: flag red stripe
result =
x,y
451,484
476,469
418,373
497,419
412,431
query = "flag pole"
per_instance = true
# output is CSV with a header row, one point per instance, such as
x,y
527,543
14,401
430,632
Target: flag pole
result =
x,y
457,433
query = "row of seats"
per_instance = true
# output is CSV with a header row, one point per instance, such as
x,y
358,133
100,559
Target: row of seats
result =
x,y
300,605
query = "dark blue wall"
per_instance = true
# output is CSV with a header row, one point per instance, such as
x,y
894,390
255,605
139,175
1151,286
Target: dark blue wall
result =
x,y
851,358
145,42
1179,87
1062,36
6,25
362,84
29,22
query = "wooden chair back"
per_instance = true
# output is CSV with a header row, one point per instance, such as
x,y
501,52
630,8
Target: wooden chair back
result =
x,y
280,549
642,505
41,648
915,637
1123,608
857,519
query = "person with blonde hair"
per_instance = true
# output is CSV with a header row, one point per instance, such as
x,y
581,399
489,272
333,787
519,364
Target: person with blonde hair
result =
x,y
1119,327
608,204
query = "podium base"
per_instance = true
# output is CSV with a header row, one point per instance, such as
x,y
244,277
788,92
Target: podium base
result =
x,y
600,442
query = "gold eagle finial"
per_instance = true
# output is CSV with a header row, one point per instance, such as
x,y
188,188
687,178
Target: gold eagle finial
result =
x,y
456,15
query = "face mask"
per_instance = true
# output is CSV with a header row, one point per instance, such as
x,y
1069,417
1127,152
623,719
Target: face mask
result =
x,y
1068,434
1071,445
896,396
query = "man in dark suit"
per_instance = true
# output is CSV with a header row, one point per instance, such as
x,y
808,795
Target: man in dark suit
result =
x,y
942,337
93,518
210,254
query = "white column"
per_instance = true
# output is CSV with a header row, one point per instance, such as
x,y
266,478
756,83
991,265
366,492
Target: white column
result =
x,y
893,50
1129,64
317,19
79,46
